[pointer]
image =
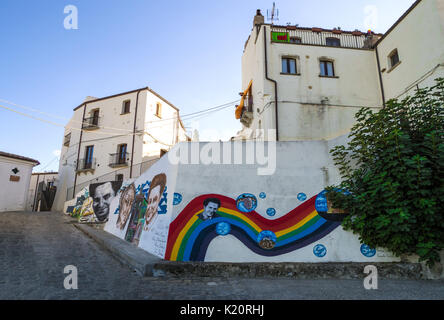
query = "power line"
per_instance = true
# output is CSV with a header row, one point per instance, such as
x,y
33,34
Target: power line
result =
x,y
188,116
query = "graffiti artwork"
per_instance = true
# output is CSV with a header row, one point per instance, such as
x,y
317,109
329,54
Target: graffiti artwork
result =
x,y
136,220
325,209
190,234
246,202
155,192
126,202
102,194
210,207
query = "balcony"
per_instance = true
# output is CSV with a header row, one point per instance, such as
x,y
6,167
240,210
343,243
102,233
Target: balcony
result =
x,y
66,140
118,159
319,37
91,123
86,165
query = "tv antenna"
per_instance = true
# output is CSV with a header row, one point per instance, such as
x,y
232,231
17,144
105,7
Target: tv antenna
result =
x,y
273,15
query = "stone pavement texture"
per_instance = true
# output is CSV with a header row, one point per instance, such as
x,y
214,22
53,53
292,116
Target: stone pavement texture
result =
x,y
36,247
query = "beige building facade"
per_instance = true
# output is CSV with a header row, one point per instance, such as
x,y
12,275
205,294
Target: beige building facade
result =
x,y
308,83
115,138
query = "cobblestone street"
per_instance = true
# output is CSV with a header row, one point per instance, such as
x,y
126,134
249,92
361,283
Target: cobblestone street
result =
x,y
36,247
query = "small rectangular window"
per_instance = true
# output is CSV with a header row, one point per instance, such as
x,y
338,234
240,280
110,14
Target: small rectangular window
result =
x,y
333,42
89,157
327,69
289,65
126,106
295,40
159,109
95,117
119,177
394,58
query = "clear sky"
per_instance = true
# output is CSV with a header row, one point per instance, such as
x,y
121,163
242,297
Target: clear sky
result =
x,y
187,51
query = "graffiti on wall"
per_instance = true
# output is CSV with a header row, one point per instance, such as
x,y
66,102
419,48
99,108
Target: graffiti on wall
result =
x,y
93,202
212,215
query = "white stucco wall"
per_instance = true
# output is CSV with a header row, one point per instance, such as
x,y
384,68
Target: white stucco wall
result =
x,y
301,113
13,195
419,41
115,128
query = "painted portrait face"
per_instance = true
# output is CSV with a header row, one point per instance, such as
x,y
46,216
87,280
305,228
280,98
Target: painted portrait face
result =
x,y
210,209
126,202
153,204
101,200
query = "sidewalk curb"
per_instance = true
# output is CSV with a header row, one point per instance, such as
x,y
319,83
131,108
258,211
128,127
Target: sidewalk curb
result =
x,y
137,259
146,264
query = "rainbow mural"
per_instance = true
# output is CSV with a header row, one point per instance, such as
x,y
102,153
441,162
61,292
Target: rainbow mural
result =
x,y
189,236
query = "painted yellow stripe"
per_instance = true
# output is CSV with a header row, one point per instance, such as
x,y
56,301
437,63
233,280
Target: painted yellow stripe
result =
x,y
298,225
243,217
182,234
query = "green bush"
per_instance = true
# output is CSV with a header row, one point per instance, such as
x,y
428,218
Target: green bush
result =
x,y
393,169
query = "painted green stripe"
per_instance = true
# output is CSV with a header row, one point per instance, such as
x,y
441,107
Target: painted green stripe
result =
x,y
229,216
300,229
183,244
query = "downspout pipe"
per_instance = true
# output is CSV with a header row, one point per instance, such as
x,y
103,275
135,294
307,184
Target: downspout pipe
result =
x,y
78,153
274,82
380,76
134,134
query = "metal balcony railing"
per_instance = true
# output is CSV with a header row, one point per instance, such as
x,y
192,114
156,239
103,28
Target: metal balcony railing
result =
x,y
91,123
320,37
86,164
118,159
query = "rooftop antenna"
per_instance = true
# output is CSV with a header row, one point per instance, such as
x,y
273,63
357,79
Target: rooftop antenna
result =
x,y
273,15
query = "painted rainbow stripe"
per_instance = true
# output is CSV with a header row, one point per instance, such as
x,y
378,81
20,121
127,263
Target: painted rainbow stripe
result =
x,y
189,236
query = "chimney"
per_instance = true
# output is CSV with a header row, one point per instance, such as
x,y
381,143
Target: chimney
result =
x,y
258,18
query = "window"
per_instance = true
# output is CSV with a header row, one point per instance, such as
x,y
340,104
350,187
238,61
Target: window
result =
x,y
159,109
95,117
295,40
289,66
394,58
67,140
89,157
333,42
119,177
121,153
126,106
327,68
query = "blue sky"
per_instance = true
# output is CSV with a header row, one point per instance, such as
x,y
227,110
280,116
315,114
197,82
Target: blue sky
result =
x,y
187,51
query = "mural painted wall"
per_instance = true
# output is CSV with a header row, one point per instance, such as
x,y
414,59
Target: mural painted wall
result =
x,y
140,212
92,203
217,212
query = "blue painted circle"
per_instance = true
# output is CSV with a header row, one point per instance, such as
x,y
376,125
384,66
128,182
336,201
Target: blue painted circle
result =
x,y
266,234
271,212
319,250
223,228
246,202
177,199
321,202
302,196
367,251
262,195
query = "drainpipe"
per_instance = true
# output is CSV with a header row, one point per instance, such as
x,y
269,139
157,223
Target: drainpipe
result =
x,y
35,193
78,152
274,82
134,134
380,76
